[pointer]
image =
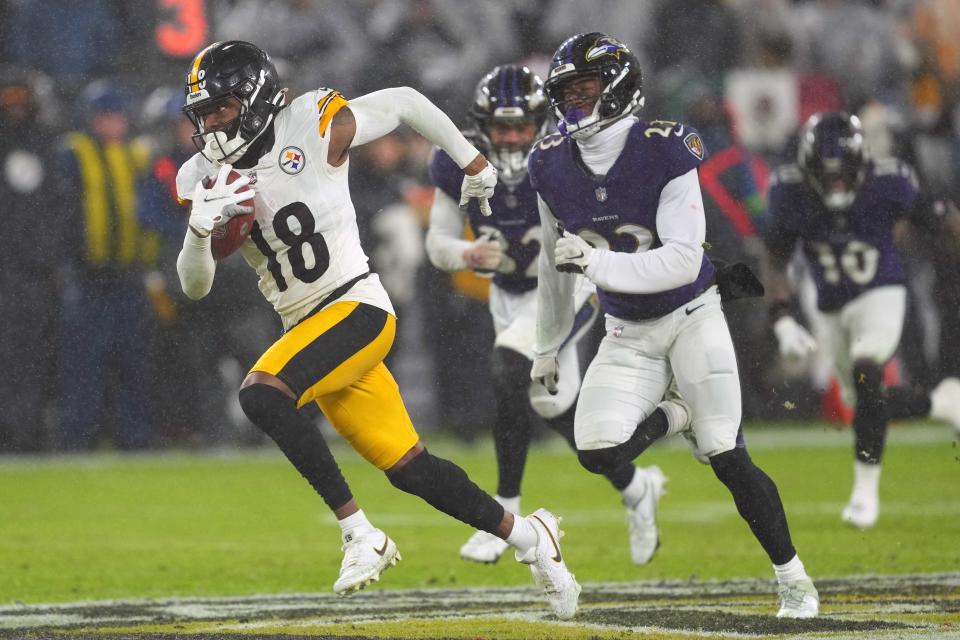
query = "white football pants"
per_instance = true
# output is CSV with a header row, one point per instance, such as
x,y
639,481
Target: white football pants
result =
x,y
866,328
515,324
637,360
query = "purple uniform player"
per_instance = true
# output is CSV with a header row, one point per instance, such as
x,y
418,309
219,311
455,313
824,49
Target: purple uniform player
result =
x,y
620,202
509,112
841,209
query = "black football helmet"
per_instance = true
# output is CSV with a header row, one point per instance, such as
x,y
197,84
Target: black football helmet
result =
x,y
232,70
830,154
509,94
593,55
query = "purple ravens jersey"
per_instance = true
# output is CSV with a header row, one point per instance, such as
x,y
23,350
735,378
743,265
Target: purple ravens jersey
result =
x,y
515,217
618,211
852,251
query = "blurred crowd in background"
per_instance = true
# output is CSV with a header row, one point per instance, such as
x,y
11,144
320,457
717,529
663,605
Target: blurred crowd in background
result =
x,y
100,348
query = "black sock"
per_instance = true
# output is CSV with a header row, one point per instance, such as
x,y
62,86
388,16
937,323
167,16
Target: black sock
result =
x,y
299,439
514,419
870,417
758,502
446,487
619,477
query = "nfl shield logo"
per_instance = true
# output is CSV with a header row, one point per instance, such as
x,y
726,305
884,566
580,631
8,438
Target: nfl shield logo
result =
x,y
601,193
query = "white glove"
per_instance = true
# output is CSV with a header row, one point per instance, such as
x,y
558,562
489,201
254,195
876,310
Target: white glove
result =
x,y
484,254
796,343
215,206
546,371
572,253
480,186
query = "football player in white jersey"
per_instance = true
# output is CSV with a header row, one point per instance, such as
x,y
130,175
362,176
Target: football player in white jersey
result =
x,y
509,111
338,321
620,203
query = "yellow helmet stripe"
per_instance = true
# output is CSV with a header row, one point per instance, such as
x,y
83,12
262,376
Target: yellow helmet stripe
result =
x,y
195,68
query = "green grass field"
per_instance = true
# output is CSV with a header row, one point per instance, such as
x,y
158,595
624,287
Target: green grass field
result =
x,y
108,527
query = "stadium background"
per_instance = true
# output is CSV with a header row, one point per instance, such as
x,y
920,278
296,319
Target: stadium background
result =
x,y
216,536
745,72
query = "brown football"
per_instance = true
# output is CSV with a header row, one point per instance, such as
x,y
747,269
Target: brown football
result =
x,y
226,239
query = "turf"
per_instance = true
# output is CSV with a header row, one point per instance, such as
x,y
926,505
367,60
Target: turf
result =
x,y
102,527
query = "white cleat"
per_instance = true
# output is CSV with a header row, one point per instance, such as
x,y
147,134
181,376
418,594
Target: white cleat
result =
x,y
547,565
365,557
945,402
642,518
483,547
798,599
861,512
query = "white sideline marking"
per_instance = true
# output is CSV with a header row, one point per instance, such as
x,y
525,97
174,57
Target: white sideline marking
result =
x,y
319,608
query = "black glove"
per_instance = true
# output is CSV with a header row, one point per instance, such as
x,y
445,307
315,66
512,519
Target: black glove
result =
x,y
736,281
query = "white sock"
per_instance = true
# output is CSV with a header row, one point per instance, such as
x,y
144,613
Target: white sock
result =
x,y
353,525
792,570
509,504
866,480
633,493
523,536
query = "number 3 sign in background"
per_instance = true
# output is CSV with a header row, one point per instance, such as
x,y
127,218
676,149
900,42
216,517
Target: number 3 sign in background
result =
x,y
182,28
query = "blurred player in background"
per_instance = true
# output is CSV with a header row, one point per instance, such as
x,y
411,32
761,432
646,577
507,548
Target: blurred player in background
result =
x,y
338,321
842,208
509,112
620,202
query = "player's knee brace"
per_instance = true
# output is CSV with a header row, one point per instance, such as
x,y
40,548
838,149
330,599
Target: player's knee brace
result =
x,y
446,487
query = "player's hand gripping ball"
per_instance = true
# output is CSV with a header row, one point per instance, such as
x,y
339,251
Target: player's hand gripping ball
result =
x,y
232,214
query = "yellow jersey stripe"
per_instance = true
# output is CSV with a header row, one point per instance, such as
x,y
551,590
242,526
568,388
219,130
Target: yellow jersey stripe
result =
x,y
328,107
347,369
297,339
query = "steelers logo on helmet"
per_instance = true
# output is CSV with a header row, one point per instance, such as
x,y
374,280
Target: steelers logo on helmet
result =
x,y
228,77
509,112
594,81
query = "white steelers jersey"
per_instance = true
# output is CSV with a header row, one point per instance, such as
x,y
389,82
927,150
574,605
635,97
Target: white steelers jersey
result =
x,y
305,243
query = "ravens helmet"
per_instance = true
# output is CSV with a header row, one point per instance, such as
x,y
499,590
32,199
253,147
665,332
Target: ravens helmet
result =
x,y
830,154
509,96
594,81
226,72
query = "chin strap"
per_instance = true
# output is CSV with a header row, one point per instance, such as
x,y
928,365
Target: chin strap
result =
x,y
223,150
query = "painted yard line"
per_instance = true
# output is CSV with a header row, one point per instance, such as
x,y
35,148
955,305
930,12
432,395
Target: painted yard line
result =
x,y
409,603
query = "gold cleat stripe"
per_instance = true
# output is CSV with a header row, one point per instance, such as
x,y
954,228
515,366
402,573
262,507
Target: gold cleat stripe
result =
x,y
557,557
